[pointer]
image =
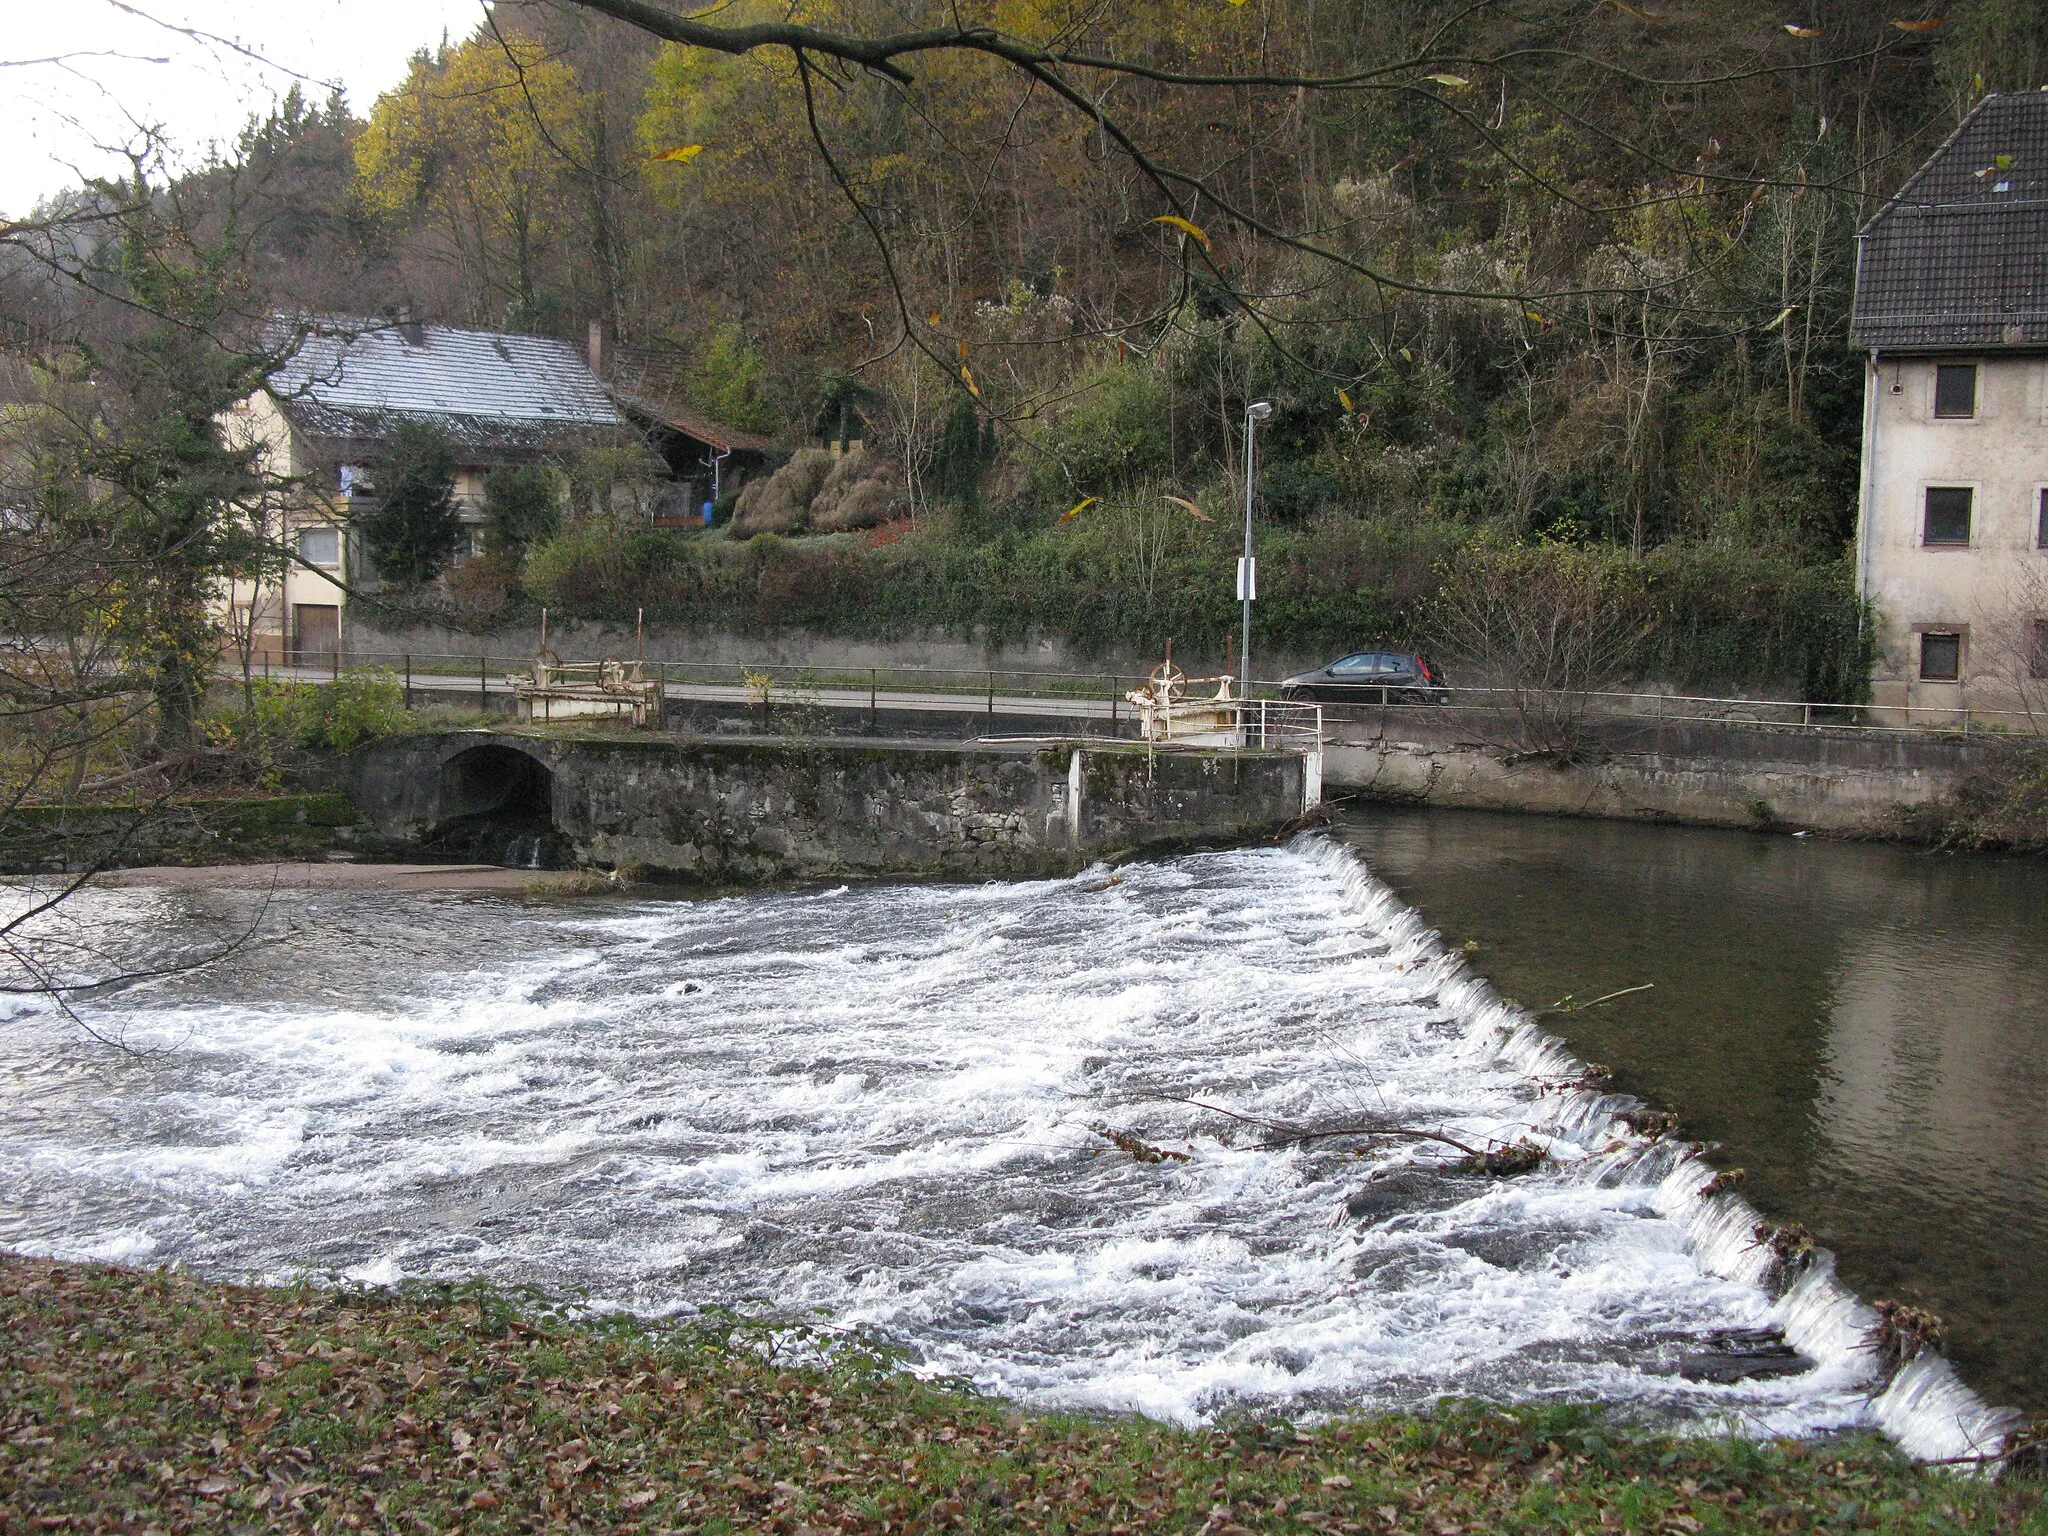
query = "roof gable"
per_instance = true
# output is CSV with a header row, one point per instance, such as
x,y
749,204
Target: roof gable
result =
x,y
1958,259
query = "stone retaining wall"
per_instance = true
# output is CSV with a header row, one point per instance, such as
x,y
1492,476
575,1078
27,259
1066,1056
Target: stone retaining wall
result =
x,y
741,811
1833,779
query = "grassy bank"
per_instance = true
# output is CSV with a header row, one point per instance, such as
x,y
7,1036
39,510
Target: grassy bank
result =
x,y
149,1401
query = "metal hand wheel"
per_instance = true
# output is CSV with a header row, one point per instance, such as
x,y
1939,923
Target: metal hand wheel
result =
x,y
1169,683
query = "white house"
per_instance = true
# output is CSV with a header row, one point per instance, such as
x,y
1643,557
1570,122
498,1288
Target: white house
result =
x,y
326,415
1952,534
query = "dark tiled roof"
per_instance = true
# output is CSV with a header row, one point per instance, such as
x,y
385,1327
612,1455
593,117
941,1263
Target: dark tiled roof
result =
x,y
353,380
651,382
1959,258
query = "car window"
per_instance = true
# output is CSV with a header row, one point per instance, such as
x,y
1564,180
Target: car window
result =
x,y
1353,666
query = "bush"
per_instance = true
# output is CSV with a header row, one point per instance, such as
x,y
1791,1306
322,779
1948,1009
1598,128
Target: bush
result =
x,y
1111,436
278,718
522,508
782,502
1123,576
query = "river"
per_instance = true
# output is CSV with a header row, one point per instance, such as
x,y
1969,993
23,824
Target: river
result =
x,y
1863,1027
886,1105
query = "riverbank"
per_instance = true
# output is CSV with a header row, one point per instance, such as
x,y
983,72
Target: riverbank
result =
x,y
152,1399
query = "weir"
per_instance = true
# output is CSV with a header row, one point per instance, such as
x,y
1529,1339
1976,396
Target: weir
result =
x,y
734,811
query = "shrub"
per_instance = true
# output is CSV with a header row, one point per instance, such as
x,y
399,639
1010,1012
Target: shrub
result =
x,y
1113,434
782,502
522,508
863,490
278,718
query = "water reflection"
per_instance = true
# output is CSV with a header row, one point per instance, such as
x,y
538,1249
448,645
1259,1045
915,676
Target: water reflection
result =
x,y
1865,1029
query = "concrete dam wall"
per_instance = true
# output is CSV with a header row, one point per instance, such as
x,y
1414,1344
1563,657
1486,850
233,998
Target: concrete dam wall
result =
x,y
732,811
1830,779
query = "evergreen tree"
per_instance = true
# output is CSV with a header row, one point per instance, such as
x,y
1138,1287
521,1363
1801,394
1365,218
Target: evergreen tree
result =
x,y
414,528
967,447
522,508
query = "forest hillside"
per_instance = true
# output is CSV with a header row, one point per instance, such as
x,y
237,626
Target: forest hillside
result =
x,y
1565,318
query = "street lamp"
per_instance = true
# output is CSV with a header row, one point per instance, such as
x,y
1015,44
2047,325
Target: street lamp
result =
x,y
1248,566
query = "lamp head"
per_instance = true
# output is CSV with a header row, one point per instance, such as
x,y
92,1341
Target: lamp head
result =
x,y
1258,410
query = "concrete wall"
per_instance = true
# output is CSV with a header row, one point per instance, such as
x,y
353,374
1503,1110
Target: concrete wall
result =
x,y
1989,591
791,651
1722,775
741,811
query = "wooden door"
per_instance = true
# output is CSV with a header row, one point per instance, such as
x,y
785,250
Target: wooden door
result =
x,y
316,633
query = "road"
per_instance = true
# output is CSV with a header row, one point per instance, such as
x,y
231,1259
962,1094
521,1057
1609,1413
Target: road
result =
x,y
454,688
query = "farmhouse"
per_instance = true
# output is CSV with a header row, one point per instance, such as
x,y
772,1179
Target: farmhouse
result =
x,y
328,413
1952,536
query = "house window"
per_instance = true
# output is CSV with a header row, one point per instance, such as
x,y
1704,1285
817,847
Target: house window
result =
x,y
320,546
1948,516
2037,661
1955,390
1941,657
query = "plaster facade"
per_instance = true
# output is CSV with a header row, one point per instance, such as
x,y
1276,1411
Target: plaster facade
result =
x,y
297,608
1958,578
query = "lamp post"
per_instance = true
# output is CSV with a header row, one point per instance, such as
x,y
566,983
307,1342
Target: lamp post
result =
x,y
1248,566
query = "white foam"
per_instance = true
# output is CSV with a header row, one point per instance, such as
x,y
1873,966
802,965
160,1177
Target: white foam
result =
x,y
883,1102
1924,1405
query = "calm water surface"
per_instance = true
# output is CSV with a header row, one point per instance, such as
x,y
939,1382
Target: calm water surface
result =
x,y
1864,1029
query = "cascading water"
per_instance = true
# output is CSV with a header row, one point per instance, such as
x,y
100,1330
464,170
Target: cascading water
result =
x,y
886,1104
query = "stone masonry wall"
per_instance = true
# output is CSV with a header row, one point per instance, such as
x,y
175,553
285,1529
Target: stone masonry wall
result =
x,y
743,811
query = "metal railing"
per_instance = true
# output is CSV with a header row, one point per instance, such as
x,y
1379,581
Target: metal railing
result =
x,y
994,690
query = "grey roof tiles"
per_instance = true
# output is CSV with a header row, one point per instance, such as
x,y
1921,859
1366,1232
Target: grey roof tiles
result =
x,y
353,379
1958,259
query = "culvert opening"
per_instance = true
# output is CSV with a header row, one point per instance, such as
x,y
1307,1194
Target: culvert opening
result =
x,y
497,807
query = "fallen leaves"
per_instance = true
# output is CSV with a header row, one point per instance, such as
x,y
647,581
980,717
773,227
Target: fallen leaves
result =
x,y
490,1424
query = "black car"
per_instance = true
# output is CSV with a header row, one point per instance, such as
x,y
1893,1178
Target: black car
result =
x,y
1370,677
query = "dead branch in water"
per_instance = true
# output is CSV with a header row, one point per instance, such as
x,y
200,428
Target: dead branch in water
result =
x,y
1284,1135
1566,1004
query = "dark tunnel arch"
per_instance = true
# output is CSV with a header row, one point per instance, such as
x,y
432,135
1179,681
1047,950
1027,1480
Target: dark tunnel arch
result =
x,y
498,806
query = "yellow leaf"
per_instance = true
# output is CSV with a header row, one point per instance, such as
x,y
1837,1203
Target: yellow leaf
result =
x,y
1345,400
1918,26
1783,315
1078,507
1407,356
1455,82
1798,31
967,378
1188,507
1185,226
682,154
934,319
963,349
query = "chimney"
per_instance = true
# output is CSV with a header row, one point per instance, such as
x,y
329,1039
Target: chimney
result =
x,y
597,358
410,328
